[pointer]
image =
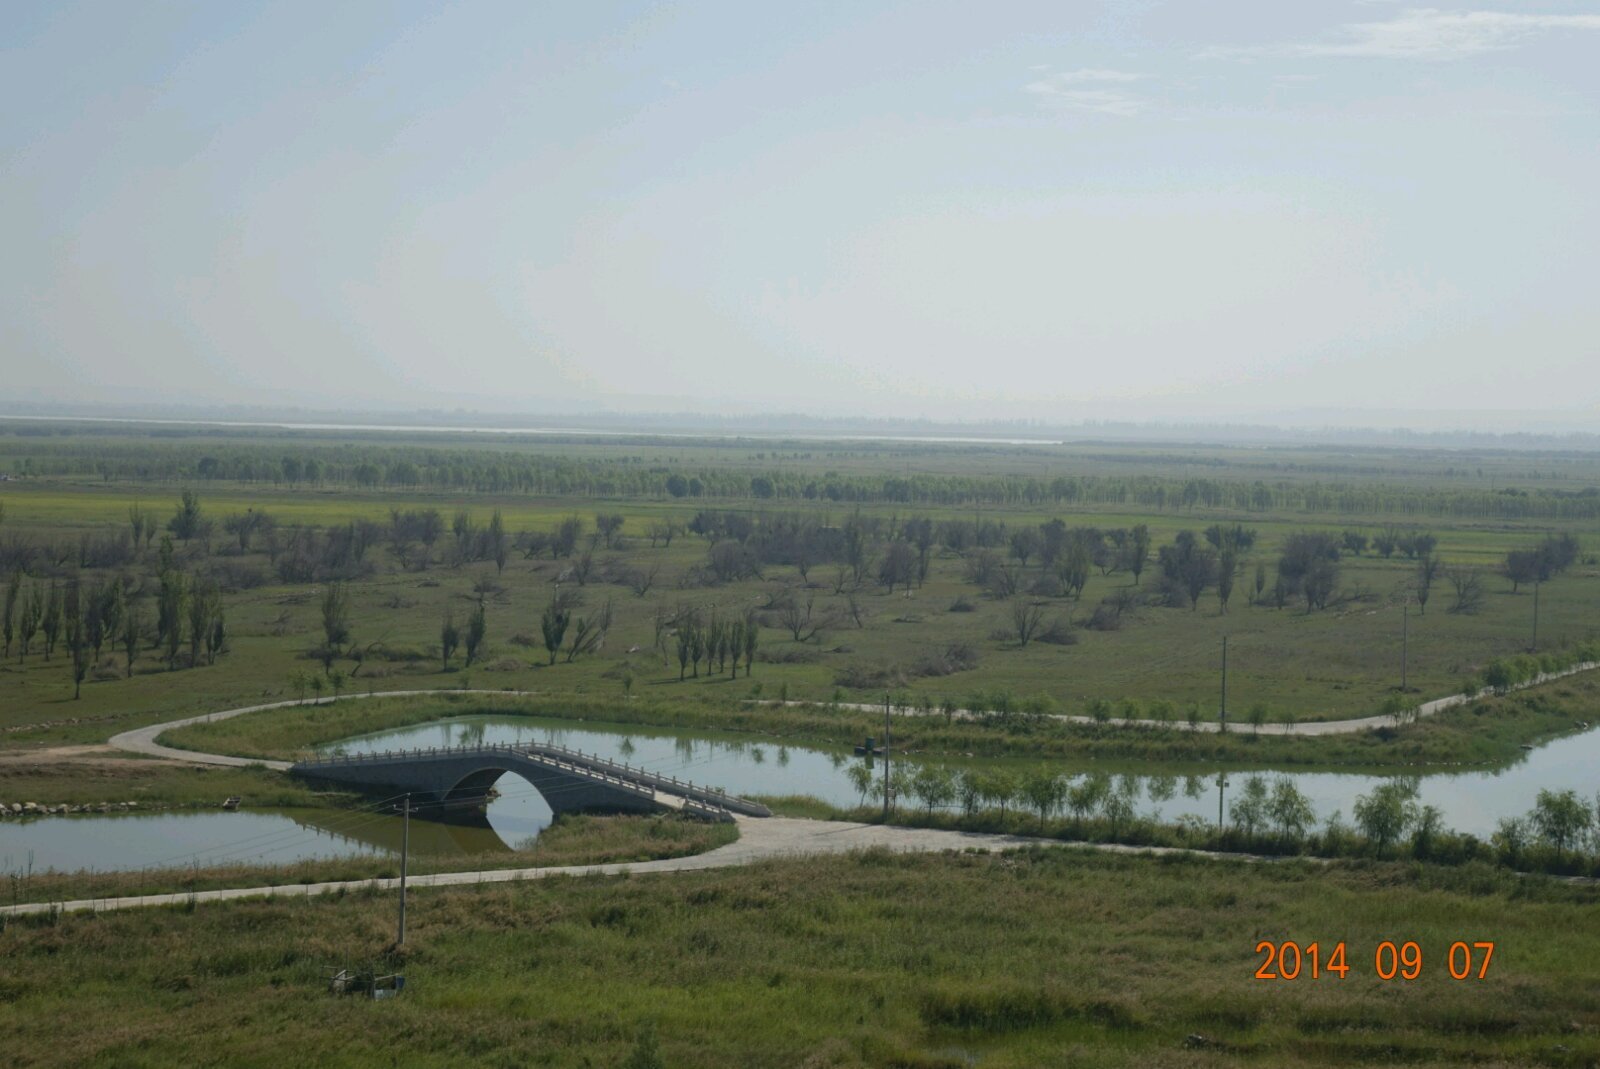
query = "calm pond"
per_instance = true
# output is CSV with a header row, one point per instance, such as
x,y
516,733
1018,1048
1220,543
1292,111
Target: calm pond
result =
x,y
1470,801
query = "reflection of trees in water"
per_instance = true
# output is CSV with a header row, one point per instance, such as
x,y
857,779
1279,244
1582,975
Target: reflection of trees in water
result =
x,y
837,760
783,757
467,833
758,755
683,747
470,735
1193,786
1162,788
626,747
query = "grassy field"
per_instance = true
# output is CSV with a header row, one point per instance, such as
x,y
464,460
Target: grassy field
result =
x,y
1341,662
1054,957
90,779
1049,958
1290,663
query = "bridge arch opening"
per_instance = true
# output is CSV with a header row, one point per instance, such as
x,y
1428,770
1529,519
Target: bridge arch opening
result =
x,y
509,803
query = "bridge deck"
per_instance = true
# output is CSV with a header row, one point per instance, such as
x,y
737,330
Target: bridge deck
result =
x,y
625,781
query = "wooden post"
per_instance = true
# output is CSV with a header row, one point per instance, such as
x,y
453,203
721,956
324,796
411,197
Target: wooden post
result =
x,y
405,855
1222,720
888,781
1405,639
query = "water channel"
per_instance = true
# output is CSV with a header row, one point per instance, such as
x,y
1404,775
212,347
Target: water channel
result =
x,y
1472,801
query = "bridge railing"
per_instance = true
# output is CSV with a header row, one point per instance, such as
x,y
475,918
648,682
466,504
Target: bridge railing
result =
x,y
619,774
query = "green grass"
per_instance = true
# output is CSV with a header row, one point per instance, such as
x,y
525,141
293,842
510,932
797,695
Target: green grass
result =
x,y
1338,663
153,784
1037,959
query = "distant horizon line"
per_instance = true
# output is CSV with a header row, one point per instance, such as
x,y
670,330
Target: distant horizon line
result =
x,y
1017,430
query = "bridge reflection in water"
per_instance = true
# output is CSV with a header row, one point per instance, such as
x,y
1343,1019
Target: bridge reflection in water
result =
x,y
512,820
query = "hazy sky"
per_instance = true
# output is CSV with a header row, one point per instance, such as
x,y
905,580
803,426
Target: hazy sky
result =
x,y
1057,209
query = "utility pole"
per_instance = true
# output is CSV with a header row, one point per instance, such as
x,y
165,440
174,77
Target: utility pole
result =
x,y
405,855
1223,719
1222,783
888,780
1405,637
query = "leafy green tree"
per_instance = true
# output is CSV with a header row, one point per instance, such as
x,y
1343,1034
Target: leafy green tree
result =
x,y
1386,812
934,786
1116,806
1138,546
132,634
1084,796
1560,818
1250,807
449,637
477,629
50,620
204,604
188,520
499,545
335,607
553,624
1290,810
1511,836
1044,791
170,604
217,639
860,777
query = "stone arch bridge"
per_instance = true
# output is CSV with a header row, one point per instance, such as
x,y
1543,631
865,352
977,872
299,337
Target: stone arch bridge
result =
x,y
445,778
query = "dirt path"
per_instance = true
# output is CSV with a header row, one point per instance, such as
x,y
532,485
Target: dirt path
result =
x,y
96,754
1311,727
143,740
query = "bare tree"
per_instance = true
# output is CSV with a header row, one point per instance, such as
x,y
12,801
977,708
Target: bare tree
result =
x,y
751,637
1005,579
857,611
1026,616
608,524
1468,586
1428,567
77,640
640,580
801,619
582,566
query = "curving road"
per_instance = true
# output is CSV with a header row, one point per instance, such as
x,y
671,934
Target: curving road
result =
x,y
143,740
1311,727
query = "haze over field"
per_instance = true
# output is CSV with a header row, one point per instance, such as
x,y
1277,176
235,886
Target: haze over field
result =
x,y
1252,212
